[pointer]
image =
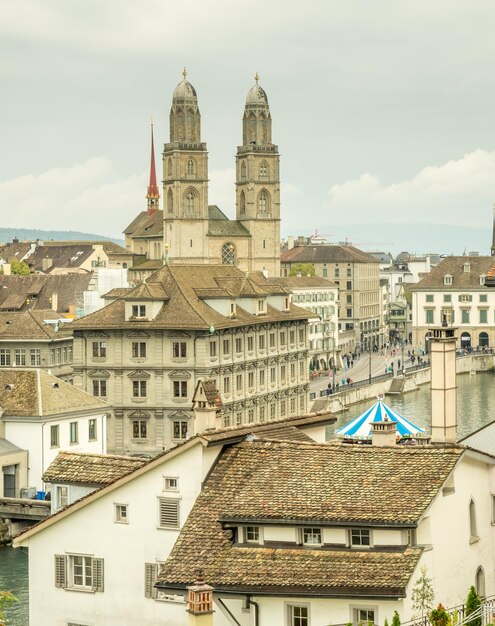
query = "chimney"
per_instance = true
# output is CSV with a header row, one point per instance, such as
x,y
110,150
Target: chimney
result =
x,y
206,404
7,271
46,264
54,301
443,385
200,602
383,433
290,242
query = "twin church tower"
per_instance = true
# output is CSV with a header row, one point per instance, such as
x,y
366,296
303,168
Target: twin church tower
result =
x,y
195,231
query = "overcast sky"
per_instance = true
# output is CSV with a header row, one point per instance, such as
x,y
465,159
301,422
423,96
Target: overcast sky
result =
x,y
383,110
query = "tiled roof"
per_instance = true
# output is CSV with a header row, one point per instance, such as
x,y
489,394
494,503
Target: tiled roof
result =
x,y
61,256
237,433
90,469
326,254
308,282
149,226
36,290
35,393
187,286
31,325
11,251
212,394
219,225
136,223
307,483
454,266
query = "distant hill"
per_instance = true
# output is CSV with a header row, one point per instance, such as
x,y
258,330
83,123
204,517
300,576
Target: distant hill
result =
x,y
415,238
27,234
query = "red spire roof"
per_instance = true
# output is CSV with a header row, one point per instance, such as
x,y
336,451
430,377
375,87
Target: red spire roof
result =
x,y
152,187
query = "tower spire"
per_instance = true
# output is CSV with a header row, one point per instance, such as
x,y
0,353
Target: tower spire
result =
x,y
153,195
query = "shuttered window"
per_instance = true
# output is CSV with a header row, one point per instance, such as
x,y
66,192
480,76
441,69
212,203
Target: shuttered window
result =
x,y
150,574
168,513
77,572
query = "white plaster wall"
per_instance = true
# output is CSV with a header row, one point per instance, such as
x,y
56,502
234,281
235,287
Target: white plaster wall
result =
x,y
335,535
385,537
124,547
279,533
35,437
453,561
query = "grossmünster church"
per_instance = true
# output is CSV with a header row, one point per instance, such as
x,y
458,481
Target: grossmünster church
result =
x,y
188,229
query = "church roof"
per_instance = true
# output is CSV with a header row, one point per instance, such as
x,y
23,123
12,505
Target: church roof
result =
x,y
326,254
148,226
219,225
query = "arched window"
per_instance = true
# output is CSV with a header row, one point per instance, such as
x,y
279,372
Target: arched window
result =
x,y
170,201
228,254
242,203
473,531
263,169
243,170
190,202
170,168
180,122
480,582
263,202
190,166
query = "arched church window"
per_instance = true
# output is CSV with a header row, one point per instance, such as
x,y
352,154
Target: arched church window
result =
x,y
170,168
243,170
252,130
473,529
190,166
170,201
190,202
263,169
480,582
180,123
242,202
228,254
263,202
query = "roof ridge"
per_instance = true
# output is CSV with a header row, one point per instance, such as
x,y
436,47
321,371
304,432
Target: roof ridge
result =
x,y
179,287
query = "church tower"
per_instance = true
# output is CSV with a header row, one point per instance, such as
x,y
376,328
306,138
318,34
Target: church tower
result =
x,y
152,195
185,180
258,183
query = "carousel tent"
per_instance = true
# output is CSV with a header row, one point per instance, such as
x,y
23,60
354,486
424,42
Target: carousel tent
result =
x,y
360,427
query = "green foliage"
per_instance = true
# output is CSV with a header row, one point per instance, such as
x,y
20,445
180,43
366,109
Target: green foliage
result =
x,y
439,616
473,601
304,269
386,622
19,268
422,595
396,619
6,598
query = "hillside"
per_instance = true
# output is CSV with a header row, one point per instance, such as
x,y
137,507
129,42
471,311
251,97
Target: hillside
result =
x,y
23,234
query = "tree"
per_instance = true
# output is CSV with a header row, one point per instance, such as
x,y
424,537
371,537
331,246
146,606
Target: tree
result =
x,y
422,595
396,619
20,268
439,616
6,598
473,601
303,269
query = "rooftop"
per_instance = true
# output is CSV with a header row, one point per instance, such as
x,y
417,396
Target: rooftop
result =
x,y
323,253
455,267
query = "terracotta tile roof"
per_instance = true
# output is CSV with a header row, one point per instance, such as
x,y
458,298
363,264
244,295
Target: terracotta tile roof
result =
x,y
35,393
31,325
454,266
301,483
211,392
326,254
36,289
187,286
81,468
137,222
237,433
66,256
283,433
308,282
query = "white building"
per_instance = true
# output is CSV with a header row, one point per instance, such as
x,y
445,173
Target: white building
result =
x,y
94,562
43,415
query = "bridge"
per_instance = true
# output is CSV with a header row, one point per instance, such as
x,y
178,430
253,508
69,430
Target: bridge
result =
x,y
24,509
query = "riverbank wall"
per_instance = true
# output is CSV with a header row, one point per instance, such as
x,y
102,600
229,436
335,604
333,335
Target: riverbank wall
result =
x,y
341,401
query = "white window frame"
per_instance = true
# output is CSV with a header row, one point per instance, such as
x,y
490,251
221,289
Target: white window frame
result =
x,y
354,613
294,620
360,545
168,483
121,511
311,531
253,540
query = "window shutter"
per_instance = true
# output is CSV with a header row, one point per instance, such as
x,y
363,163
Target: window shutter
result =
x,y
60,571
97,574
169,513
150,574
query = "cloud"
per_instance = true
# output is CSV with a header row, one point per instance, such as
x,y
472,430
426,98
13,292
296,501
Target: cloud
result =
x,y
90,196
458,192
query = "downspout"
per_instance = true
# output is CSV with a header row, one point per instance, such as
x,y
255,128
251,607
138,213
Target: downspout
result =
x,y
250,603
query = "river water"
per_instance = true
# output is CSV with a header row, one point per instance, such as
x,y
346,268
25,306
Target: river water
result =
x,y
473,410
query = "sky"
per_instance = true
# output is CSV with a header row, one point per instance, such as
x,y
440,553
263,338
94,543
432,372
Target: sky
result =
x,y
383,111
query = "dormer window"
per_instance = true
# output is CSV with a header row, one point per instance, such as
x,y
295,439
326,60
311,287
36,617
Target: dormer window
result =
x,y
447,279
232,309
482,279
138,310
261,306
466,267
360,538
311,537
287,303
252,534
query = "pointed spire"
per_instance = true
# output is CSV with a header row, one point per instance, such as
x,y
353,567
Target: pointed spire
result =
x,y
153,195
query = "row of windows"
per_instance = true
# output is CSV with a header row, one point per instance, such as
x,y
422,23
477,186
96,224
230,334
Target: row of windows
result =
x,y
264,413
180,429
262,377
321,296
73,433
21,357
448,315
309,536
262,342
140,388
462,297
263,170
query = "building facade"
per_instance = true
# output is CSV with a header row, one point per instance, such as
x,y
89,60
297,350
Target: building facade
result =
x,y
145,352
455,292
356,275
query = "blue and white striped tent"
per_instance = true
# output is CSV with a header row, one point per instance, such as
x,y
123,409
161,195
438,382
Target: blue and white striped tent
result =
x,y
360,427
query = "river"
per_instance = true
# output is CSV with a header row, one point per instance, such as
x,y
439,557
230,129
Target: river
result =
x,y
473,410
